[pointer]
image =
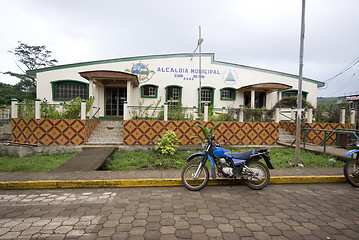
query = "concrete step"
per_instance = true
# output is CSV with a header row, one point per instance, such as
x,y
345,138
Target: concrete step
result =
x,y
107,132
285,136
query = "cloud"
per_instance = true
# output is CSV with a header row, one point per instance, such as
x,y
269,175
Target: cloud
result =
x,y
259,33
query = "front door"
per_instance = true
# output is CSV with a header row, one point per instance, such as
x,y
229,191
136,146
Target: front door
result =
x,y
115,97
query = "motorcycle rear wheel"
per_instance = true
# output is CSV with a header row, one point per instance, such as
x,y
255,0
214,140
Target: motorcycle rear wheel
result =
x,y
351,172
260,179
188,177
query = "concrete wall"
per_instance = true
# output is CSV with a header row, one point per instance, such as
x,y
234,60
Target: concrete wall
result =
x,y
26,151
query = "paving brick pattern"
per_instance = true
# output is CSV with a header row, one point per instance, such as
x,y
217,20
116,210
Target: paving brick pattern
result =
x,y
315,211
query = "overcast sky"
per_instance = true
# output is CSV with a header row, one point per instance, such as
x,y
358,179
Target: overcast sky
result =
x,y
257,33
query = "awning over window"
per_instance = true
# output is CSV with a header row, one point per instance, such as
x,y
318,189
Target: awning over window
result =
x,y
107,77
266,86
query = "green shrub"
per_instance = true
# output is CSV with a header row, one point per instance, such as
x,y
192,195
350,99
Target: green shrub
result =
x,y
26,109
168,143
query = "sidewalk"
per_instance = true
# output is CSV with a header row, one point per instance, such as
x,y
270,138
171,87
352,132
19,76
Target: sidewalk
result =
x,y
151,178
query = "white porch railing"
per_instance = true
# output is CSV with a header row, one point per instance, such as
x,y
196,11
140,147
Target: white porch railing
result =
x,y
34,109
165,113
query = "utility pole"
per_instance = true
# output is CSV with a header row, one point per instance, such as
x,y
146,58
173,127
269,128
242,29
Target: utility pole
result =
x,y
199,45
200,40
299,103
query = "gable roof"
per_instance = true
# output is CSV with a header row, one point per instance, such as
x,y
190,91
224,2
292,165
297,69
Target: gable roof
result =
x,y
179,55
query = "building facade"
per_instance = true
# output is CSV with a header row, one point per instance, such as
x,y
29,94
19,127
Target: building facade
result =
x,y
176,79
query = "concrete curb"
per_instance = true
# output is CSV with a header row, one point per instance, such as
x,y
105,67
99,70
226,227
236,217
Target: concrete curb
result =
x,y
163,182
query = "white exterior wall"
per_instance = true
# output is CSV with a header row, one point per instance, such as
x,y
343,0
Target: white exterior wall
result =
x,y
167,69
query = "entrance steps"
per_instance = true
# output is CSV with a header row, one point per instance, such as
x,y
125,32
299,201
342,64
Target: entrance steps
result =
x,y
285,137
107,132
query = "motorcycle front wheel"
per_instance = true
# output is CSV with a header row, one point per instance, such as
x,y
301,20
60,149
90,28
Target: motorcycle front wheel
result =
x,y
258,176
188,176
351,172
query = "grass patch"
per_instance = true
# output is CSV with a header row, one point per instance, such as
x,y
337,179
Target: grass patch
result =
x,y
147,160
282,157
151,160
42,163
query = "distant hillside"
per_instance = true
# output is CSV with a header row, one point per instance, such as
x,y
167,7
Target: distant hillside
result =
x,y
326,100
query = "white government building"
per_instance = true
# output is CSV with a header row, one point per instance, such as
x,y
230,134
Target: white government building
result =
x,y
171,78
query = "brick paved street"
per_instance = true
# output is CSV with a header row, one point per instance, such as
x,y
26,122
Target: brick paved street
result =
x,y
286,211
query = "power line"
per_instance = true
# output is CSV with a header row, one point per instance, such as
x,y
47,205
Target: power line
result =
x,y
352,64
346,84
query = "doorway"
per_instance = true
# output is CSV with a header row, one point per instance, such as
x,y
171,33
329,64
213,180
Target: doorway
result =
x,y
115,97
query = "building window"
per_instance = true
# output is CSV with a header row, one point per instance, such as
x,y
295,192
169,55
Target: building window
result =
x,y
173,95
149,91
293,93
228,94
64,90
207,96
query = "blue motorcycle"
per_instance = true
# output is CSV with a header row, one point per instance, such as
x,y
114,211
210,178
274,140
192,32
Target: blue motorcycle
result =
x,y
351,168
244,165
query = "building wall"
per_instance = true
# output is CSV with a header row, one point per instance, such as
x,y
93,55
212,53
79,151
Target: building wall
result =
x,y
176,70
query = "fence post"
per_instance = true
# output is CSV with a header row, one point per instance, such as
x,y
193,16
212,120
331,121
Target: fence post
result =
x,y
263,115
240,117
292,115
165,112
352,116
195,113
310,115
125,110
37,108
342,115
277,115
13,108
83,109
205,112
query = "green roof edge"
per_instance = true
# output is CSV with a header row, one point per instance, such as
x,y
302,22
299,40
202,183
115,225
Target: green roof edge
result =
x,y
127,59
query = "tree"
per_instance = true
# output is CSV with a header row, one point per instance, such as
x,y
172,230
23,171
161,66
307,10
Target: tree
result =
x,y
30,58
7,92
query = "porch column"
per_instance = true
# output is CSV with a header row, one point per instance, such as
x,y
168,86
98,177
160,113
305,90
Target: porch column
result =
x,y
90,87
253,96
97,94
241,97
279,95
129,86
91,94
267,102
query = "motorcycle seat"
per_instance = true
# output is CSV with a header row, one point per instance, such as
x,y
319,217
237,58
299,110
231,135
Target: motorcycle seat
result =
x,y
242,155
